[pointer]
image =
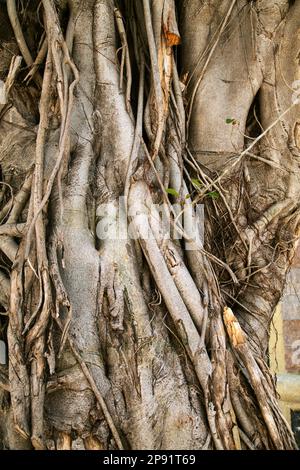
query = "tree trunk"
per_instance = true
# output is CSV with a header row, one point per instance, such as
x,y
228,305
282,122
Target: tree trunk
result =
x,y
125,129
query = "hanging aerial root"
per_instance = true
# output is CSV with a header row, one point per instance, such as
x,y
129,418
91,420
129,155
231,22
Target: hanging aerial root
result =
x,y
179,313
160,48
18,375
13,208
169,23
95,389
258,382
242,405
13,16
13,230
34,248
125,53
10,79
38,61
35,339
219,386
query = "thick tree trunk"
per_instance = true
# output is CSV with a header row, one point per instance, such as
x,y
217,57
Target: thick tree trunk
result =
x,y
133,113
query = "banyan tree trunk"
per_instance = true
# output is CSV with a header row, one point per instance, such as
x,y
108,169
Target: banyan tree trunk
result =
x,y
149,210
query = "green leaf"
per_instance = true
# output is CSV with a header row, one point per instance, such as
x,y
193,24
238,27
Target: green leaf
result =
x,y
232,121
213,194
196,182
187,196
172,191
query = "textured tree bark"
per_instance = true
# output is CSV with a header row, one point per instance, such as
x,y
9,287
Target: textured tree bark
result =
x,y
151,338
